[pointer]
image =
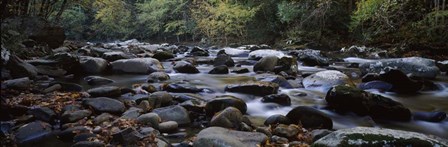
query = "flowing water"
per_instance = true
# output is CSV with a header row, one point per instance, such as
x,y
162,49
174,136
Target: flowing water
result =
x,y
425,101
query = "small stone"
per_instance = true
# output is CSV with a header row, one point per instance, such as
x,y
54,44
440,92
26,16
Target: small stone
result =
x,y
169,126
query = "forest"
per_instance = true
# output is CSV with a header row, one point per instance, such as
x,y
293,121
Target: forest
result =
x,y
224,73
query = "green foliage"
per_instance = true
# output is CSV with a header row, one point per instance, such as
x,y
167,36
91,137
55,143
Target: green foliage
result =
x,y
288,11
74,19
114,18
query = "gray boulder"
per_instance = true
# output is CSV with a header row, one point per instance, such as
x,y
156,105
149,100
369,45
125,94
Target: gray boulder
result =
x,y
255,88
104,104
258,54
97,80
228,118
185,67
174,113
105,91
310,57
221,137
32,132
324,80
157,77
92,65
137,65
266,64
20,83
415,66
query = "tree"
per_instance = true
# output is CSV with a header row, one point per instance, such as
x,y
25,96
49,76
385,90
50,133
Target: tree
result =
x,y
113,18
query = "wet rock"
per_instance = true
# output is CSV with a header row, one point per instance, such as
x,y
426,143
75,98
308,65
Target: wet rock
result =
x,y
104,104
380,85
158,99
219,70
443,65
279,140
365,136
18,68
344,98
220,137
181,88
287,131
319,133
266,64
184,67
264,130
162,55
287,66
50,71
197,51
114,56
310,57
151,119
132,113
20,83
255,88
70,132
228,118
280,80
137,65
69,87
103,117
92,65
235,52
400,82
220,103
282,99
84,137
52,88
5,55
169,126
174,113
324,80
97,80
436,116
157,77
68,62
147,131
258,54
239,70
105,91
128,136
88,144
43,113
223,59
310,118
415,66
73,116
32,132
277,119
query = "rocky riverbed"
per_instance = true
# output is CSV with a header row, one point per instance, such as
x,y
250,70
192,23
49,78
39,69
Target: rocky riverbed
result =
x,y
139,94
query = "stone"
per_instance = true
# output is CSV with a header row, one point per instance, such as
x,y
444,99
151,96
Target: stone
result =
x,y
137,65
239,70
128,136
287,131
185,67
43,113
348,99
223,59
181,88
151,119
309,117
319,133
66,61
219,70
103,117
310,57
52,88
257,88
5,55
235,52
266,64
228,118
132,113
69,133
400,82
277,119
324,80
436,116
174,113
84,137
221,137
280,80
104,104
20,83
197,51
98,80
114,56
380,85
92,65
73,116
105,91
169,126
19,68
414,66
279,140
258,54
162,55
220,103
32,132
366,136
157,77
88,144
281,99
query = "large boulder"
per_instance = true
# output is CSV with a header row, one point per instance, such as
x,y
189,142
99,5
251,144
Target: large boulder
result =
x,y
105,91
174,113
258,54
185,67
114,56
104,104
97,80
281,99
137,65
310,57
197,51
258,88
400,82
309,117
324,80
221,137
366,136
223,59
19,68
228,118
235,52
157,77
32,132
68,62
163,55
93,65
20,83
220,103
414,66
266,64
219,70
349,99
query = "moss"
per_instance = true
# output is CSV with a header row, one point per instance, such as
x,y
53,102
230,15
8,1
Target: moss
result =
x,y
381,140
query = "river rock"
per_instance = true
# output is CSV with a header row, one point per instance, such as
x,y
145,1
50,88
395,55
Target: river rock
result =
x,y
436,116
18,68
174,113
137,65
50,71
414,66
163,55
32,132
132,113
104,104
157,77
400,82
258,54
287,131
366,136
344,98
324,80
68,62
103,117
310,118
266,64
197,51
240,70
151,119
443,65
114,56
88,144
128,136
228,118
221,137
258,88
380,85
220,103
184,67
181,88
70,132
169,126
97,80
73,116
223,59
282,99
43,113
163,97
319,133
219,70
92,65
105,91
235,52
310,57
277,119
20,83
280,80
